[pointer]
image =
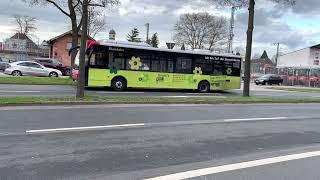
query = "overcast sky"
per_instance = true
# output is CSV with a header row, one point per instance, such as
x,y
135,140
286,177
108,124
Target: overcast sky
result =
x,y
295,27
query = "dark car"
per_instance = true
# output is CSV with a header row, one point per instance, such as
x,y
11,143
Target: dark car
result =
x,y
3,63
269,79
52,63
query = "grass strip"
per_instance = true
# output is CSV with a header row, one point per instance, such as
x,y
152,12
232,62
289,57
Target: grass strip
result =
x,y
36,81
296,89
149,100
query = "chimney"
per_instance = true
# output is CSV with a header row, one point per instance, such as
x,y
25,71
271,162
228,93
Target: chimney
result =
x,y
170,45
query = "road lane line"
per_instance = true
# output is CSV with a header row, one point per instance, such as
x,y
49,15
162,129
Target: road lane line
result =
x,y
1,91
163,124
83,128
236,166
255,119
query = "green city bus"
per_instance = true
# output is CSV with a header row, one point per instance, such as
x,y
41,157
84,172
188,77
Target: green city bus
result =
x,y
137,65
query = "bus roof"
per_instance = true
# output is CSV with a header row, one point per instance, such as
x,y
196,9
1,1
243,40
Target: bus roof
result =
x,y
145,46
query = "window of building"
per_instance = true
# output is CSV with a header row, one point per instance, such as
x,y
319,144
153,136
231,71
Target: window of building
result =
x,y
69,45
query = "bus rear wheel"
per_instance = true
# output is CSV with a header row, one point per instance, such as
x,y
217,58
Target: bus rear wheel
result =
x,y
204,87
119,84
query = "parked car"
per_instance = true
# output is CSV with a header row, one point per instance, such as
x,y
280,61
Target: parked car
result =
x,y
3,63
269,79
52,63
22,68
253,76
75,74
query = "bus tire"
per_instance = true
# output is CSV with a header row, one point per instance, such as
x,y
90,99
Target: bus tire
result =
x,y
204,87
119,84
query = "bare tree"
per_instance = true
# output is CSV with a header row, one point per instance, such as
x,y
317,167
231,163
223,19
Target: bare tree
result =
x,y
69,9
218,32
200,30
96,22
25,24
251,4
84,33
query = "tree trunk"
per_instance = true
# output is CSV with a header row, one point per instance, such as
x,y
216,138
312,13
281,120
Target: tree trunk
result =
x,y
81,79
75,31
246,86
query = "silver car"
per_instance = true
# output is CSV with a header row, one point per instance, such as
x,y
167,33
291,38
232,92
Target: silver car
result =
x,y
22,68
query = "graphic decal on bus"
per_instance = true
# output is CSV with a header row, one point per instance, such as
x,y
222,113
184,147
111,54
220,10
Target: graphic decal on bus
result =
x,y
229,71
144,77
113,69
197,71
135,63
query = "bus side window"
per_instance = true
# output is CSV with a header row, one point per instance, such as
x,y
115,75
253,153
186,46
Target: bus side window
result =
x,y
170,66
183,65
218,68
205,65
116,60
97,60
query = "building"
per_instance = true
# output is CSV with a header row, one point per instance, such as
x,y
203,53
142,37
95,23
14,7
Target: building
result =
x,y
263,65
301,67
20,47
307,58
59,47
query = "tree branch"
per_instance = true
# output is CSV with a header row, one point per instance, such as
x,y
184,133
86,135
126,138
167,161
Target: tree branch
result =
x,y
57,6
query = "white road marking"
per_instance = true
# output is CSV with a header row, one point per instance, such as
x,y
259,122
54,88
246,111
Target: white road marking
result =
x,y
255,119
100,106
82,128
236,166
160,124
19,91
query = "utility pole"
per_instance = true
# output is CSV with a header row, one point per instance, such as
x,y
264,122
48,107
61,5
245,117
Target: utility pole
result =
x,y
247,68
277,54
231,34
148,27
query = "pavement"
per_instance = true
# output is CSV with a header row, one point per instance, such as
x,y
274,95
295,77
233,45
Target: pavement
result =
x,y
153,142
62,91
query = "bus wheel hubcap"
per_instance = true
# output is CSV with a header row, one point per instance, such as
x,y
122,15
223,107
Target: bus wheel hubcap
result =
x,y
203,87
119,84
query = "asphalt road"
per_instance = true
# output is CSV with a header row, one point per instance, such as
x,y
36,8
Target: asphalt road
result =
x,y
146,141
61,91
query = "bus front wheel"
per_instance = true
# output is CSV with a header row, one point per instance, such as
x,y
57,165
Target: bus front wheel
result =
x,y
119,84
204,87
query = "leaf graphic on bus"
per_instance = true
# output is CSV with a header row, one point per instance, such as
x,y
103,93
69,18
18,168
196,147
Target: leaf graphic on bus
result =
x,y
192,80
144,78
113,70
135,63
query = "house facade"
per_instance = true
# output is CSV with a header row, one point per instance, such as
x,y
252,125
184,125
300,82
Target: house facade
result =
x,y
20,47
59,47
263,65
